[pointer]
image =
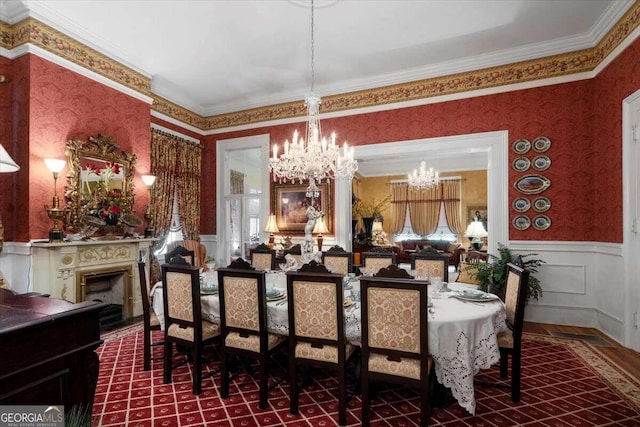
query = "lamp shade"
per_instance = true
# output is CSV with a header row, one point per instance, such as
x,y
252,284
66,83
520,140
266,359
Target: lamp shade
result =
x,y
272,226
148,180
55,165
377,226
320,226
6,162
475,230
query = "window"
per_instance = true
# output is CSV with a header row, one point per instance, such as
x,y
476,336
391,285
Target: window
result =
x,y
442,232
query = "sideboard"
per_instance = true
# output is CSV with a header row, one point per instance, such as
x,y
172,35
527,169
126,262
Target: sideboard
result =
x,y
63,270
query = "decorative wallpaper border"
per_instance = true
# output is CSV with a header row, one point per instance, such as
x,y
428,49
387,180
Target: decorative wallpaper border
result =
x,y
35,32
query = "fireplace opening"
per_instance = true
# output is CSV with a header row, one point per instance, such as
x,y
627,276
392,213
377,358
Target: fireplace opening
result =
x,y
111,286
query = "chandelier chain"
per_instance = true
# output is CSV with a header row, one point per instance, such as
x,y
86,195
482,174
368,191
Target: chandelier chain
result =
x,y
313,71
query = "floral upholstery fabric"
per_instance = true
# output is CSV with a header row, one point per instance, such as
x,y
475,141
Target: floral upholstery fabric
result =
x,y
377,263
314,305
394,319
409,368
339,265
505,339
179,296
209,330
429,268
511,296
241,302
261,261
252,342
327,353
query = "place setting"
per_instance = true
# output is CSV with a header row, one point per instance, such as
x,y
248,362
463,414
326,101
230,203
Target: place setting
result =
x,y
276,295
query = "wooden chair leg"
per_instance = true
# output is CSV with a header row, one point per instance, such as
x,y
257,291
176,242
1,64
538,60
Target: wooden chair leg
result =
x,y
224,374
504,364
168,349
515,377
146,357
293,386
197,369
425,408
264,380
342,396
366,399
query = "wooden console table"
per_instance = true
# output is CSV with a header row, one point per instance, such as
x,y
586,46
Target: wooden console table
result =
x,y
47,351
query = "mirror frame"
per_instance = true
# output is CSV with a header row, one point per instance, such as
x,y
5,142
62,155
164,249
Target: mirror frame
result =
x,y
100,147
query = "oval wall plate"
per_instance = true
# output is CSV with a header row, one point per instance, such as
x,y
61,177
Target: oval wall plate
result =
x,y
532,184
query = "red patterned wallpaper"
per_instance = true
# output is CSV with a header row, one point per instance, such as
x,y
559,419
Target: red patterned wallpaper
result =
x,y
65,105
7,179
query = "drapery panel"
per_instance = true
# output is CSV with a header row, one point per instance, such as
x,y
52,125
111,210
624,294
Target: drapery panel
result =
x,y
398,205
176,163
451,200
424,209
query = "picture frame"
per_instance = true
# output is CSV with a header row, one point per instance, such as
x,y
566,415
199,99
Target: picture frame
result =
x,y
290,204
482,210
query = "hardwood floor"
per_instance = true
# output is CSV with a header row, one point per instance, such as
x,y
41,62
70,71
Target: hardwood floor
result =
x,y
626,358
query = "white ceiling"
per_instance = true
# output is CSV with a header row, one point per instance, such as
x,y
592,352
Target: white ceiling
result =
x,y
220,56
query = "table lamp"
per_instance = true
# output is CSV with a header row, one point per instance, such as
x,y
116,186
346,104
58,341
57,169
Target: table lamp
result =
x,y
320,228
56,213
6,165
148,217
272,227
475,232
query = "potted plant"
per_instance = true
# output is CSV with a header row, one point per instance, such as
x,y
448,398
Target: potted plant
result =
x,y
492,274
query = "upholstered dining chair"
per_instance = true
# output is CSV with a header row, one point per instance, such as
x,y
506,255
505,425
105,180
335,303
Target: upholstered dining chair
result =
x,y
337,260
510,341
150,321
374,261
182,252
263,257
183,318
395,337
430,265
316,329
243,322
198,249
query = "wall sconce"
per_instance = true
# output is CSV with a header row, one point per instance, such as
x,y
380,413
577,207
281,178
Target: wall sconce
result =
x,y
272,227
6,165
320,228
56,214
148,181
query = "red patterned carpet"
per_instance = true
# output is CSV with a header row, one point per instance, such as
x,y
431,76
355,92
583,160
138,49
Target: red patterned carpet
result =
x,y
565,383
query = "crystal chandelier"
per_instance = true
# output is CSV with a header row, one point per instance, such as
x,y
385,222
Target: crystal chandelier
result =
x,y
314,158
423,178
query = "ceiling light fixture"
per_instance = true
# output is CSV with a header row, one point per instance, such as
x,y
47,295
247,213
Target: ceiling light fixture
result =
x,y
314,158
423,178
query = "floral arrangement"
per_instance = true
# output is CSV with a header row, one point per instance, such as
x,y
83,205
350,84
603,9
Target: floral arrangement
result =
x,y
369,208
100,200
379,238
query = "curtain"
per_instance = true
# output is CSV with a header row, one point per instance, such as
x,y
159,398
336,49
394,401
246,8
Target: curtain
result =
x,y
237,182
164,156
451,200
424,209
398,206
188,178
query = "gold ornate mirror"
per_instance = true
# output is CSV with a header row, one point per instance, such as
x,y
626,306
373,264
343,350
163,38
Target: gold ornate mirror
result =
x,y
99,181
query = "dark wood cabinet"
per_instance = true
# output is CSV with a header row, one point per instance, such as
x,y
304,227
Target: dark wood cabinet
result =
x,y
47,351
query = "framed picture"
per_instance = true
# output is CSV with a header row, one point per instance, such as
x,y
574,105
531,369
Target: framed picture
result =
x,y
478,211
290,205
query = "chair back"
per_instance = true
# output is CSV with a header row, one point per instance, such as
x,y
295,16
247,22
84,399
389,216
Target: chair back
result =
x,y
515,298
180,252
198,249
296,252
316,307
337,260
144,291
376,260
263,257
243,303
394,341
430,265
182,307
475,257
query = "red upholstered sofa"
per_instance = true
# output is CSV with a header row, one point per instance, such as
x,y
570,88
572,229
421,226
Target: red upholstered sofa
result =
x,y
407,247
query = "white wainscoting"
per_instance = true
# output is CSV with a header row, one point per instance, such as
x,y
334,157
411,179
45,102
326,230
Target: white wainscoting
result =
x,y
582,283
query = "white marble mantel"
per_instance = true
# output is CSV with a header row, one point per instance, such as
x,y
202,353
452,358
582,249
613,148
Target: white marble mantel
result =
x,y
58,268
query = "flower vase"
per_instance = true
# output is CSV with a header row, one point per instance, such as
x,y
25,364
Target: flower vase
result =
x,y
368,226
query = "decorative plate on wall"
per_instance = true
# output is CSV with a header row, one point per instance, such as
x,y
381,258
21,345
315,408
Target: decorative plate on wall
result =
x,y
521,164
541,204
521,204
521,146
541,222
532,184
521,222
541,163
541,144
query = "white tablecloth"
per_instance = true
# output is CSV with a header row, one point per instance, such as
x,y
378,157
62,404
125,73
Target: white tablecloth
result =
x,y
462,335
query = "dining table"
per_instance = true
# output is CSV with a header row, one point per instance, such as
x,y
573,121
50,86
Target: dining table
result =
x,y
462,331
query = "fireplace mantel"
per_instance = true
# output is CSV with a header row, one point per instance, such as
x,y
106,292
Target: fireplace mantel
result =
x,y
58,267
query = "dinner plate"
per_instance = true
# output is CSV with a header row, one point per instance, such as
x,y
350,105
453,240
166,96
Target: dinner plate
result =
x,y
274,294
521,146
277,297
477,298
541,144
208,292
